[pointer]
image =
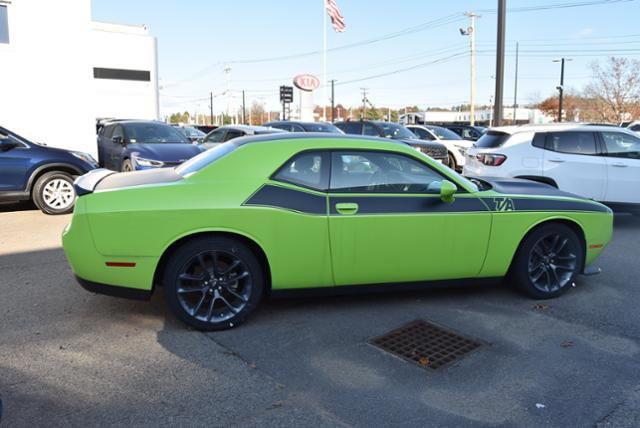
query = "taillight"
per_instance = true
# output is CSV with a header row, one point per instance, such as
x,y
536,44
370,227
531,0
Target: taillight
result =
x,y
490,159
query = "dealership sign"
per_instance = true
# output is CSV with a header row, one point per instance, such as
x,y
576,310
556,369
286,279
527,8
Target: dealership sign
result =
x,y
306,82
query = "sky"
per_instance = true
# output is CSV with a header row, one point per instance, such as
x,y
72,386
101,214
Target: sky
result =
x,y
414,55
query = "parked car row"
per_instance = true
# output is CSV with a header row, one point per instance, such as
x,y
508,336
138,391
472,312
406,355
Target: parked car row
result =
x,y
595,161
598,162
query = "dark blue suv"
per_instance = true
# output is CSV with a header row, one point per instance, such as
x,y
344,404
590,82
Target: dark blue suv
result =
x,y
43,174
129,145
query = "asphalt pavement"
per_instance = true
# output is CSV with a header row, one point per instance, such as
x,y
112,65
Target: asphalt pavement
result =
x,y
69,357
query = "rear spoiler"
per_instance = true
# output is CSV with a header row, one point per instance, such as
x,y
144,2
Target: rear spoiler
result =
x,y
85,184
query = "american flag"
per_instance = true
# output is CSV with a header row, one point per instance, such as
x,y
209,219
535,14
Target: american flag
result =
x,y
337,20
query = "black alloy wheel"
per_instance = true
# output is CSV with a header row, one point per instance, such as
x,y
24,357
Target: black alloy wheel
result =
x,y
548,261
213,283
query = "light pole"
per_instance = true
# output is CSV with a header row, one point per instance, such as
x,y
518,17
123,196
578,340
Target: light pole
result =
x,y
497,106
561,87
471,33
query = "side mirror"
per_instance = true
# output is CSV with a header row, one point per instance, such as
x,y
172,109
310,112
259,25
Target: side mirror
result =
x,y
445,188
7,144
118,140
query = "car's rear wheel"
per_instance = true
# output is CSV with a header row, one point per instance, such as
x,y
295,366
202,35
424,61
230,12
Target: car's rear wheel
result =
x,y
213,283
547,261
53,193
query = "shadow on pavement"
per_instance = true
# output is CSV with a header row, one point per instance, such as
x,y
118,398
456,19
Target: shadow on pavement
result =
x,y
8,207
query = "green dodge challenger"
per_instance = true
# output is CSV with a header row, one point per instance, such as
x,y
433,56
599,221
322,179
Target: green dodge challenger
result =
x,y
265,214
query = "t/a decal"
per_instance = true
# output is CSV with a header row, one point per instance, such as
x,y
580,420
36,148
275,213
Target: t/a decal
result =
x,y
504,204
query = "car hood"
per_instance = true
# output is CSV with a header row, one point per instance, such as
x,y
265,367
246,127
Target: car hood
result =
x,y
165,152
519,186
460,143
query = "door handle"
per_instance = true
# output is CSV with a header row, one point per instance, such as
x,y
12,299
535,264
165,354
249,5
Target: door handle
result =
x,y
619,164
347,208
556,160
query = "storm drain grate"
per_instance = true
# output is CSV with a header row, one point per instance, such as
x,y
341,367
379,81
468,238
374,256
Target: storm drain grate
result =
x,y
425,344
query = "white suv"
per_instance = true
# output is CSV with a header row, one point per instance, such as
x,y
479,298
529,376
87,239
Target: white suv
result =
x,y
598,162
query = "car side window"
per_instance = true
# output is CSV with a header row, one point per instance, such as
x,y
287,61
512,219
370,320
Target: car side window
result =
x,y
379,172
579,143
371,130
107,131
621,145
306,169
352,128
117,132
422,134
231,134
635,128
467,133
215,136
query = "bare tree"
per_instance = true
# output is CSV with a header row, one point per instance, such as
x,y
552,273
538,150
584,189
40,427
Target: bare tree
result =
x,y
615,89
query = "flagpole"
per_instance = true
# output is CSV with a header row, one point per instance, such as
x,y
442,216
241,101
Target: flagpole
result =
x,y
324,61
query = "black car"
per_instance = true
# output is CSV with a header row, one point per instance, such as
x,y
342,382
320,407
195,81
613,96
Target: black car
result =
x,y
295,126
468,132
378,128
44,174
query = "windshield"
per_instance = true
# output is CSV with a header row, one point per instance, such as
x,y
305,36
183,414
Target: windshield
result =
x,y
204,159
154,133
322,127
396,132
444,133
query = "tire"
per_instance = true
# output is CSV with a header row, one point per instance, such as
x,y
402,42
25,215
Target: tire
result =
x,y
53,193
547,261
451,161
127,166
213,283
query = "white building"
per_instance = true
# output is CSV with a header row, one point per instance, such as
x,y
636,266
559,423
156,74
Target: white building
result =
x,y
60,71
482,116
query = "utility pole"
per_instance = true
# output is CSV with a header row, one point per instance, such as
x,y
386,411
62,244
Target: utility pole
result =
x,y
471,33
364,103
497,107
515,89
561,87
333,105
211,107
244,119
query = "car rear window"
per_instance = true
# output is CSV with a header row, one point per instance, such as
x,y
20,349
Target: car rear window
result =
x,y
204,159
492,139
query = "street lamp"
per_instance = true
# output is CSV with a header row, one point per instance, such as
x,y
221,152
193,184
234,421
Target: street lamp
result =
x,y
561,87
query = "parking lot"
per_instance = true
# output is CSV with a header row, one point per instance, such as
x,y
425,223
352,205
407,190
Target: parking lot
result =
x,y
70,357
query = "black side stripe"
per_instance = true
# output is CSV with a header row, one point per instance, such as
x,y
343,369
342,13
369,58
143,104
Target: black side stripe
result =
x,y
408,204
504,204
309,203
290,199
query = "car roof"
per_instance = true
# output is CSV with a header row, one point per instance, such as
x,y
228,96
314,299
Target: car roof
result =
x,y
551,127
275,137
128,121
297,122
250,128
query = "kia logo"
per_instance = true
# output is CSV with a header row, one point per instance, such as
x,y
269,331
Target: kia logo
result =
x,y
306,82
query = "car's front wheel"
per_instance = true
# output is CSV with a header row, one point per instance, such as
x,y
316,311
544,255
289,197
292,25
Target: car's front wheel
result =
x,y
53,193
547,261
213,283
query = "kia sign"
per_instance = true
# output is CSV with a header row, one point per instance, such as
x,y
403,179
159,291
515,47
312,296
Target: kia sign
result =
x,y
306,82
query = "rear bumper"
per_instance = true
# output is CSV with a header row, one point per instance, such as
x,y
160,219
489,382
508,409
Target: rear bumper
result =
x,y
114,290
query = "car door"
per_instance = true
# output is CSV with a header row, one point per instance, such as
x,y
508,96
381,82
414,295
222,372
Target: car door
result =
x,y
386,225
623,167
114,148
572,160
15,160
